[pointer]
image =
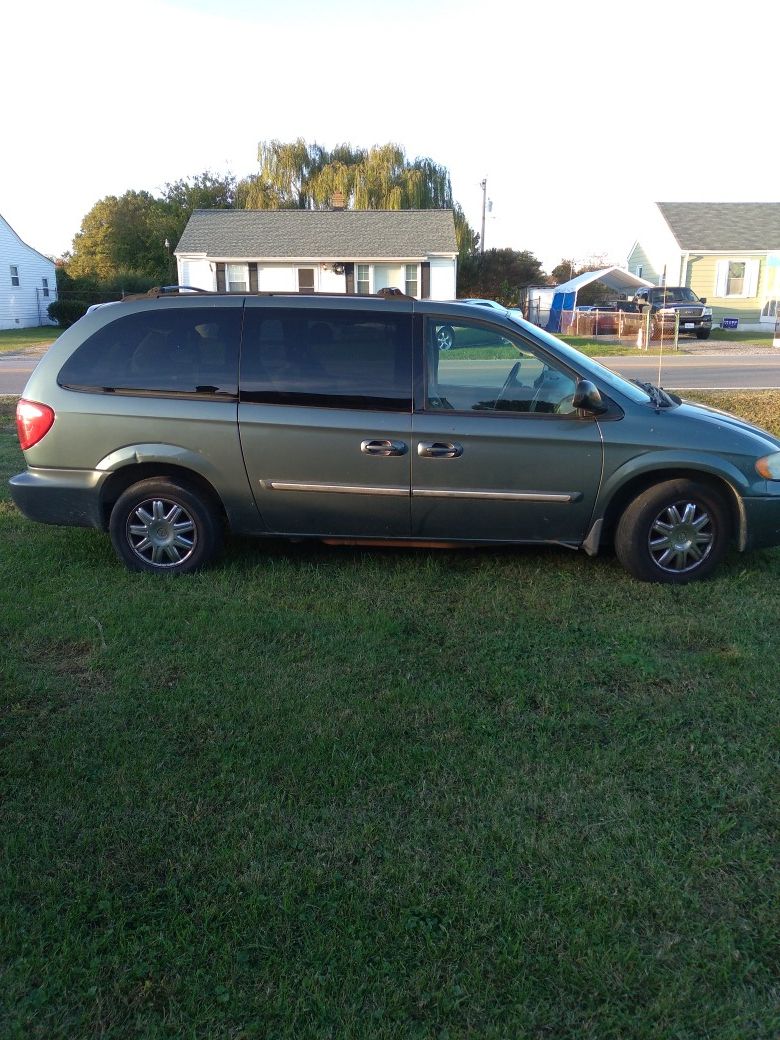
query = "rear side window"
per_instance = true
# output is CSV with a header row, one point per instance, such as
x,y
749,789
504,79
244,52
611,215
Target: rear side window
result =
x,y
336,359
191,350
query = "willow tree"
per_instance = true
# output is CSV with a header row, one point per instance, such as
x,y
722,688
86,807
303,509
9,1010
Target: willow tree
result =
x,y
298,175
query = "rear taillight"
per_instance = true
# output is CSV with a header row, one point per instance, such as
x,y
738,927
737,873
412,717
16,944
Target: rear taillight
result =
x,y
33,421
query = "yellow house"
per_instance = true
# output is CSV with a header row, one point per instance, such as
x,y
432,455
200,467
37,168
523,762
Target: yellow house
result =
x,y
728,252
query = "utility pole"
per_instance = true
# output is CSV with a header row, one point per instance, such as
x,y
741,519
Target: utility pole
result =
x,y
483,185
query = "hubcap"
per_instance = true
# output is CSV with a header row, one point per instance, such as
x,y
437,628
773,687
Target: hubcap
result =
x,y
681,537
161,532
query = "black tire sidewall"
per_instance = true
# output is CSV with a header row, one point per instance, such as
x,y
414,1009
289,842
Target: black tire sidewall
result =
x,y
633,529
207,525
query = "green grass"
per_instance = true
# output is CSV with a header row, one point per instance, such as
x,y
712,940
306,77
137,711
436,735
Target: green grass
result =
x,y
742,336
323,793
18,339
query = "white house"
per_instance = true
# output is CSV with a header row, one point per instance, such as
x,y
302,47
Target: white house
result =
x,y
336,250
27,282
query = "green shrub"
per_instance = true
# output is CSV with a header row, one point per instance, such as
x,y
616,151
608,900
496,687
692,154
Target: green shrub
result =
x,y
66,311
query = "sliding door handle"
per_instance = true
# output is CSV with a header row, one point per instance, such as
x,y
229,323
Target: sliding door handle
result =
x,y
383,448
439,449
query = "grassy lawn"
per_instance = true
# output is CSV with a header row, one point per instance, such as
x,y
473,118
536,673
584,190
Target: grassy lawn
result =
x,y
742,336
328,793
17,339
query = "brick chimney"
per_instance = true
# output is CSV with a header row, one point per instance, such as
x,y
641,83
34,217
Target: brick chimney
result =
x,y
337,200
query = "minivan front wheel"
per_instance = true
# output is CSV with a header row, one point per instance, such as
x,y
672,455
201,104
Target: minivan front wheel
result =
x,y
674,532
160,526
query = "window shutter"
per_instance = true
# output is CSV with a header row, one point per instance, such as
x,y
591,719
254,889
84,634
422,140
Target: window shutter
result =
x,y
751,278
425,280
721,278
253,277
221,285
349,271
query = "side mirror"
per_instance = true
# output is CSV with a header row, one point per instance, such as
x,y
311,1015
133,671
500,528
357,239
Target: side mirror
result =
x,y
588,397
702,299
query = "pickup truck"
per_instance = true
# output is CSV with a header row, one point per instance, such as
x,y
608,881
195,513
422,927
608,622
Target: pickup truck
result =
x,y
665,301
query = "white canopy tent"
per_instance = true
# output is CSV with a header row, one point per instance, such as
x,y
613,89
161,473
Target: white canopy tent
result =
x,y
565,298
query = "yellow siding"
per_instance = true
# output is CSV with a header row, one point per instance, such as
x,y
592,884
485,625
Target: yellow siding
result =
x,y
638,257
702,278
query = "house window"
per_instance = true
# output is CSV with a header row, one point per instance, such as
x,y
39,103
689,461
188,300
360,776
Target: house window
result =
x,y
736,279
639,270
237,277
14,274
363,283
45,286
411,280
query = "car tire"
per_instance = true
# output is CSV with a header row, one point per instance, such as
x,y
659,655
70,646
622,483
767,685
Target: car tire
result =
x,y
445,337
675,532
703,333
163,527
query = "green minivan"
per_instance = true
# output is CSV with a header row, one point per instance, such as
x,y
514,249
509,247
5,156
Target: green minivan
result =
x,y
171,419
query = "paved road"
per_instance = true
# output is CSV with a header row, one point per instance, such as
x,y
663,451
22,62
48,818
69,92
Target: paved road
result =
x,y
678,372
15,369
689,372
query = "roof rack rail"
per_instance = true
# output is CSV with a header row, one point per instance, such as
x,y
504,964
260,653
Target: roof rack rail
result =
x,y
163,290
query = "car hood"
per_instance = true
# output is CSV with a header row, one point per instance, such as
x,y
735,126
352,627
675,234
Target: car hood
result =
x,y
764,441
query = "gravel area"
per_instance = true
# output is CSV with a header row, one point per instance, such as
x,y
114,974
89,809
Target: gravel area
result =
x,y
713,348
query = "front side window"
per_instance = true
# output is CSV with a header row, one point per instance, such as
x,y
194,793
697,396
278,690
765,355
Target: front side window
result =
x,y
363,279
237,278
183,351
411,280
14,274
471,368
327,358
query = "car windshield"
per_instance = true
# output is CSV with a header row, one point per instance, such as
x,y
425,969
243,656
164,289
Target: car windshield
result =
x,y
674,296
580,362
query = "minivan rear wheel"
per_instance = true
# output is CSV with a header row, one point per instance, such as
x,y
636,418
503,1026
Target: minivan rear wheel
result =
x,y
674,532
163,527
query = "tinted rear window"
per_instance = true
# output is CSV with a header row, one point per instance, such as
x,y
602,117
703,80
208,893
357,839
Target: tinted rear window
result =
x,y
190,350
337,359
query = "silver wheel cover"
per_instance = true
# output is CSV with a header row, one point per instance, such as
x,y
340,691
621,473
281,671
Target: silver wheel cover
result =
x,y
681,537
161,533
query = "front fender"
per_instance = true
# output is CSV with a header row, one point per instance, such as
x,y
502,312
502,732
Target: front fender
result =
x,y
664,465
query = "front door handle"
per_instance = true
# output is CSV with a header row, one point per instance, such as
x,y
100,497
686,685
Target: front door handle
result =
x,y
383,447
439,449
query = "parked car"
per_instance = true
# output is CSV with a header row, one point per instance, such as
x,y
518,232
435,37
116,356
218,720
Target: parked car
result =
x,y
170,421
666,302
446,342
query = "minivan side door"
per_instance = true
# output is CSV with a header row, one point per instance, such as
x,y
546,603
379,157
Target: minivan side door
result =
x,y
498,450
325,415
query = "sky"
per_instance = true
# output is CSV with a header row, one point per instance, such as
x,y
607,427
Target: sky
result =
x,y
577,114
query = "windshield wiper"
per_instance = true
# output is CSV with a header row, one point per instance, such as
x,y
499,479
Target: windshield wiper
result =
x,y
660,397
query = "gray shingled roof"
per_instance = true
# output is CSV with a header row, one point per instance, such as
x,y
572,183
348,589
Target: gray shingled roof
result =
x,y
318,234
724,226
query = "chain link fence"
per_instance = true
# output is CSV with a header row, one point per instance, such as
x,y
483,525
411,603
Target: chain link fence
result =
x,y
638,329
